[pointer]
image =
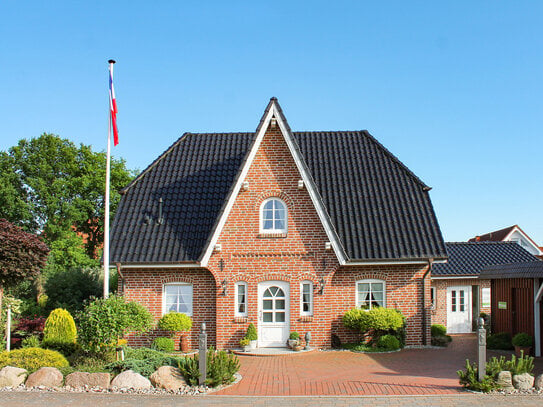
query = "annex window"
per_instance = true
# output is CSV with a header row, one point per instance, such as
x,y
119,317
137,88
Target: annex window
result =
x,y
178,298
273,216
306,298
370,294
241,299
433,298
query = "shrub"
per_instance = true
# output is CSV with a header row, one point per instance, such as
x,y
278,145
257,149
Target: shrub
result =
x,y
441,340
470,380
438,329
163,344
30,326
190,369
251,333
175,322
294,335
500,340
354,317
524,364
221,367
244,342
523,339
59,328
378,319
103,321
31,341
388,342
32,359
145,363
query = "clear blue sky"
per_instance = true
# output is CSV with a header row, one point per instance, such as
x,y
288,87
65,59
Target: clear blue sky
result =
x,y
454,89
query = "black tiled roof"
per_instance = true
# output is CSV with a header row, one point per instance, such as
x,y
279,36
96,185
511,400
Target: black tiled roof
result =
x,y
469,258
380,210
532,269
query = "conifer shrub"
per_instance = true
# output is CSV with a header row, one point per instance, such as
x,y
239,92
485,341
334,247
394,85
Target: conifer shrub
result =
x,y
59,328
388,342
32,359
251,332
163,344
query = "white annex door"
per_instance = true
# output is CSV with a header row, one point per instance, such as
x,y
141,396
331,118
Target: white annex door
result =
x,y
273,311
459,310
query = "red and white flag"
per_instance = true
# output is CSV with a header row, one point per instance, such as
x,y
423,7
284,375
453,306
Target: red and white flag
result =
x,y
113,107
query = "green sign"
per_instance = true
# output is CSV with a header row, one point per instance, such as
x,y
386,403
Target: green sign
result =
x,y
502,305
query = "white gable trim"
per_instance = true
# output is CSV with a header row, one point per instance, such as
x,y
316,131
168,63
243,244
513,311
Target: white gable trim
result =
x,y
273,112
528,239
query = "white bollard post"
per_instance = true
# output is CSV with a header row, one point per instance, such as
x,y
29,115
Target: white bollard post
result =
x,y
8,330
481,350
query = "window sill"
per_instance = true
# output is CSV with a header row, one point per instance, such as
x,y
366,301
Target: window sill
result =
x,y
241,320
271,235
306,318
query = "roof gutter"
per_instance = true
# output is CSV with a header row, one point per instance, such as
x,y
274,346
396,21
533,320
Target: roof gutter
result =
x,y
160,265
376,262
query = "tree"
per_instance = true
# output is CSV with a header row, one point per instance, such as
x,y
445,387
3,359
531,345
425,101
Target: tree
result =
x,y
22,255
50,185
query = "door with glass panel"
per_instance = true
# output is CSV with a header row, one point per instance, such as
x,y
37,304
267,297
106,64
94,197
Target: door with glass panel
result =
x,y
459,309
273,313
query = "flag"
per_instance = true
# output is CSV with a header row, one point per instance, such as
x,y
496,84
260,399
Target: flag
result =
x,y
113,106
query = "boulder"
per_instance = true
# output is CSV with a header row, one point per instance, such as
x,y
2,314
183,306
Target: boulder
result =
x,y
46,376
82,379
505,380
131,380
168,377
12,376
523,381
538,384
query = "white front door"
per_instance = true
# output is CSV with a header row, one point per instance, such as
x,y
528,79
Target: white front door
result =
x,y
273,311
459,309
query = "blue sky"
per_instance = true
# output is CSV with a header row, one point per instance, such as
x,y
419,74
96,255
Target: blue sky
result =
x,y
454,89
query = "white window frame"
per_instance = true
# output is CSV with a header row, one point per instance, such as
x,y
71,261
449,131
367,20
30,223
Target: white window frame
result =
x,y
310,312
371,281
164,310
236,299
433,295
261,220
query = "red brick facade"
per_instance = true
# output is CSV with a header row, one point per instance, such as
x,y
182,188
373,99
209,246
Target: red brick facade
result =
x,y
299,255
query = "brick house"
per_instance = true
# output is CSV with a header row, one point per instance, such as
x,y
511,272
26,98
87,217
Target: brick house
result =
x,y
511,234
458,295
287,230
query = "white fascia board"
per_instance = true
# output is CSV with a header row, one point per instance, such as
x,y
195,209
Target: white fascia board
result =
x,y
471,277
224,216
160,266
332,237
528,239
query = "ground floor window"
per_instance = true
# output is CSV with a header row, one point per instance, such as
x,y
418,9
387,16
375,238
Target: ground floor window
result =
x,y
306,303
241,299
370,293
433,298
178,298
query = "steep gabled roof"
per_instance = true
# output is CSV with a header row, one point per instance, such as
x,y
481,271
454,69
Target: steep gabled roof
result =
x,y
496,236
373,205
469,258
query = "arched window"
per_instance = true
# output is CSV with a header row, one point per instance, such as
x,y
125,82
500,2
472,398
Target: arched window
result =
x,y
177,297
273,216
370,294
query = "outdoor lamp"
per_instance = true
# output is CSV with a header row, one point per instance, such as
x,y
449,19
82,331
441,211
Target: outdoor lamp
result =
x,y
223,286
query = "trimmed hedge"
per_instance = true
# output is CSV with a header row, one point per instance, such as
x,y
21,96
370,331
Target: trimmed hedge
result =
x,y
175,322
32,359
378,319
438,329
388,342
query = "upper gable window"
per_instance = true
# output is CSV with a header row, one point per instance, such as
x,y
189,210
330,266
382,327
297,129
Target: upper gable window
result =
x,y
273,216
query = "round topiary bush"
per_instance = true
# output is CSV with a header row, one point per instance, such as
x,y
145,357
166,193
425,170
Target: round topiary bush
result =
x,y
163,344
438,330
388,342
59,328
523,339
175,322
32,359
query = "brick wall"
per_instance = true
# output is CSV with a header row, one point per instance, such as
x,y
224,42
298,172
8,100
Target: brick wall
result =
x,y
439,314
299,255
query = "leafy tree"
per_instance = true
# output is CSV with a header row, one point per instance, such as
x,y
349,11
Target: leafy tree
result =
x,y
22,255
49,184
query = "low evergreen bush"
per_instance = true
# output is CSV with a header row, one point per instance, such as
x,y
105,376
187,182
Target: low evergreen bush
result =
x,y
175,322
500,340
469,379
163,344
32,341
294,335
221,368
438,330
522,339
32,359
388,342
251,334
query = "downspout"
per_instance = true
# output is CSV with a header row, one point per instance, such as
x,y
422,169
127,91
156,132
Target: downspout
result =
x,y
424,324
121,276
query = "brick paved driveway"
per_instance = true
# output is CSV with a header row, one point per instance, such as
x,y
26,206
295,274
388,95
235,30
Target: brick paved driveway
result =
x,y
408,372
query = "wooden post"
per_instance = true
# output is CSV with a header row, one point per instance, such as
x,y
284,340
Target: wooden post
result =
x,y
481,350
202,350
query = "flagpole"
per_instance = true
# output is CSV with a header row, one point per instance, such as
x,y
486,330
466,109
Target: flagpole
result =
x,y
106,218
